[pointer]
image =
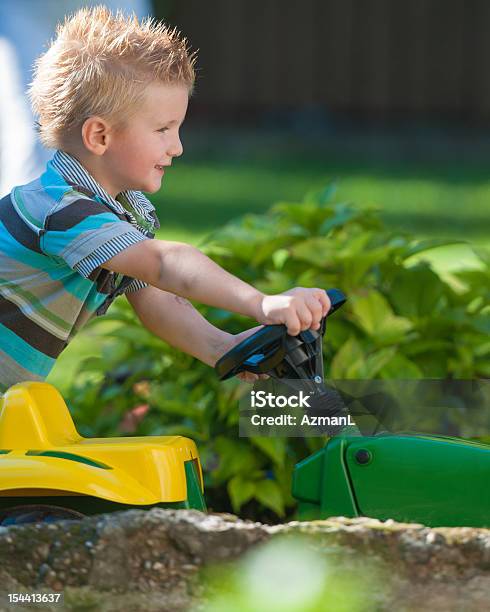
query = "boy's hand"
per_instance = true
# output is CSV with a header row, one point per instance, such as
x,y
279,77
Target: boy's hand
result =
x,y
298,309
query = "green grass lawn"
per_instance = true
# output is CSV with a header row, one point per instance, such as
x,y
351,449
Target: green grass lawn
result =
x,y
202,192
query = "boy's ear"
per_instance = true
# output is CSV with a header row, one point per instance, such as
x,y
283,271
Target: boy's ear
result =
x,y
95,135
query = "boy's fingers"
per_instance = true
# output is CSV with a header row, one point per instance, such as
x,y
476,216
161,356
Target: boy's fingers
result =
x,y
293,324
251,377
304,314
316,309
247,376
325,301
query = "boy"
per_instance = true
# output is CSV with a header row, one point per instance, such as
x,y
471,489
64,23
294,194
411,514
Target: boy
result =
x,y
111,95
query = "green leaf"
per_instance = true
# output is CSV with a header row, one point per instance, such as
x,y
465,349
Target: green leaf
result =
x,y
356,245
347,360
94,364
483,254
375,316
175,407
299,220
356,266
416,347
317,251
323,196
482,349
240,491
236,458
401,368
269,493
376,361
418,292
431,243
275,448
279,258
340,219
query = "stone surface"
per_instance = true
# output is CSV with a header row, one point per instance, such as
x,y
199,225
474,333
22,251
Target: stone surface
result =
x,y
140,560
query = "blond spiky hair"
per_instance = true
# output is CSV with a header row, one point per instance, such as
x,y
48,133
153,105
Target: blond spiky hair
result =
x,y
99,64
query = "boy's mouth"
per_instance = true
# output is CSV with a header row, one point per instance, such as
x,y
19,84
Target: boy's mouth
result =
x,y
161,168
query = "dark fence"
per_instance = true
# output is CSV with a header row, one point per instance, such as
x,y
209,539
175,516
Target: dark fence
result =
x,y
413,57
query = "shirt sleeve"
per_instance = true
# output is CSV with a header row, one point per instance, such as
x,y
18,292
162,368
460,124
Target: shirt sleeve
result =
x,y
85,234
136,285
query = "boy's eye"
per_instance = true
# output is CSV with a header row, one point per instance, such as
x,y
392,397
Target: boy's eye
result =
x,y
163,129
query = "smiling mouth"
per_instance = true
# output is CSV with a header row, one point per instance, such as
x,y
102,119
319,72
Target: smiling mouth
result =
x,y
159,167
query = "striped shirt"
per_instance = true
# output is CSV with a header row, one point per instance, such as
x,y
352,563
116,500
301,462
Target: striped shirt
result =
x,y
55,233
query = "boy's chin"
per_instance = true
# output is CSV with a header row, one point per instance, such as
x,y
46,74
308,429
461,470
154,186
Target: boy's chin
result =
x,y
149,190
146,188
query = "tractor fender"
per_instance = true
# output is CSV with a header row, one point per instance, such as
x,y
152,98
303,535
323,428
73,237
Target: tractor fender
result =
x,y
61,475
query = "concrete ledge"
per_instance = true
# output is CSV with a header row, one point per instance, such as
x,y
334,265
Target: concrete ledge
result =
x,y
151,560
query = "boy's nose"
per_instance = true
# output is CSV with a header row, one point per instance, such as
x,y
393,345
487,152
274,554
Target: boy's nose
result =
x,y
176,149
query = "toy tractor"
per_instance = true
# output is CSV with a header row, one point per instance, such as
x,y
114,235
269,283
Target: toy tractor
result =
x,y
405,476
49,472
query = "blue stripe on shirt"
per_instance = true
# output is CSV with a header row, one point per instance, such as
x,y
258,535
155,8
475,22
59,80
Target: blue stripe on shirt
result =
x,y
57,243
24,354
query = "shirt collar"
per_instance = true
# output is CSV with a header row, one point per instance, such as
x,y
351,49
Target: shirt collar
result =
x,y
73,172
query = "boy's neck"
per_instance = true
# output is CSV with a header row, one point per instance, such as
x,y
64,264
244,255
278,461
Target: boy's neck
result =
x,y
94,166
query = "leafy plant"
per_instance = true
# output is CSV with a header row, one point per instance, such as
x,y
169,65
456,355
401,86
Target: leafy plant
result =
x,y
402,321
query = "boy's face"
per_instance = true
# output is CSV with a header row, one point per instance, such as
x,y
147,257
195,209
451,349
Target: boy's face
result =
x,y
149,141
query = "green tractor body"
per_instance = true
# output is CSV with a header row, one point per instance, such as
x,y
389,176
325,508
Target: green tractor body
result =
x,y
434,480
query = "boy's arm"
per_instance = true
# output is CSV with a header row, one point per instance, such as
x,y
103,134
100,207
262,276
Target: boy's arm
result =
x,y
175,320
185,271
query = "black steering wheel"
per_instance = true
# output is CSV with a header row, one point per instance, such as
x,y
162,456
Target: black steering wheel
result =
x,y
272,350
